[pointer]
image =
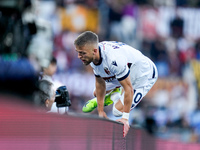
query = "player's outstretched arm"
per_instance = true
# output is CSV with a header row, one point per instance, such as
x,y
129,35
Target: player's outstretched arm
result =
x,y
100,94
128,96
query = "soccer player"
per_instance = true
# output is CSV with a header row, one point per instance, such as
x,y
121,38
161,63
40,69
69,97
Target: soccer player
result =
x,y
116,64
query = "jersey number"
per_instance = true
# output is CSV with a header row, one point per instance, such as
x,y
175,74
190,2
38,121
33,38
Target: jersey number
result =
x,y
136,99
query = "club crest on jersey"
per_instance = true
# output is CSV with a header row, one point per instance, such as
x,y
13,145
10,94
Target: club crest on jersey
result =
x,y
106,70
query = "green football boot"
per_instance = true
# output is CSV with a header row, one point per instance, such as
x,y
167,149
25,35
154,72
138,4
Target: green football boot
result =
x,y
92,104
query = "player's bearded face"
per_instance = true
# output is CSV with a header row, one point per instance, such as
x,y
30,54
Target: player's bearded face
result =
x,y
85,55
87,60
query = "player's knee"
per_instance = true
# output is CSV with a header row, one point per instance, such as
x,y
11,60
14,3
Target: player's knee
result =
x,y
116,112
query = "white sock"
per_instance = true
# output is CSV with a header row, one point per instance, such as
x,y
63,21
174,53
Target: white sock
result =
x,y
116,112
115,97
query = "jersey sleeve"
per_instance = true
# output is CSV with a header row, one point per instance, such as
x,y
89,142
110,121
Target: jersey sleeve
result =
x,y
119,67
96,75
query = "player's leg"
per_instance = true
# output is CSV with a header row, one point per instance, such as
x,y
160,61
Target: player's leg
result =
x,y
139,93
92,104
137,97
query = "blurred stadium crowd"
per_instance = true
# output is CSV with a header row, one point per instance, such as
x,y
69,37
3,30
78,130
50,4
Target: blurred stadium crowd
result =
x,y
167,31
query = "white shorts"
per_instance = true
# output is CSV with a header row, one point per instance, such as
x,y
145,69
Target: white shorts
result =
x,y
143,89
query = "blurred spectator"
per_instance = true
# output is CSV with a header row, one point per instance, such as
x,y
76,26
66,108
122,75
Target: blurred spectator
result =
x,y
114,19
186,52
122,21
45,96
49,71
159,55
47,74
197,49
158,51
176,26
173,53
150,122
145,47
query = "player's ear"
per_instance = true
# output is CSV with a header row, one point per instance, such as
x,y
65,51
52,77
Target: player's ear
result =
x,y
47,103
95,50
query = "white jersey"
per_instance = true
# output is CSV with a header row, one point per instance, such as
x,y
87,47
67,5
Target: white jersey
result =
x,y
118,60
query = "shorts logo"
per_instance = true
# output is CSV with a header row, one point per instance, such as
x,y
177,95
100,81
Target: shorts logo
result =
x,y
106,70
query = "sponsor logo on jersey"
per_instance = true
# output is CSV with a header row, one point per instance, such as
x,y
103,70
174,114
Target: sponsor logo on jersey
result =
x,y
106,70
109,79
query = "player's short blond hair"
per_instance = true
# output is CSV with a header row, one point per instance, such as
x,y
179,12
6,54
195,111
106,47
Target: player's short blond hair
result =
x,y
87,37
